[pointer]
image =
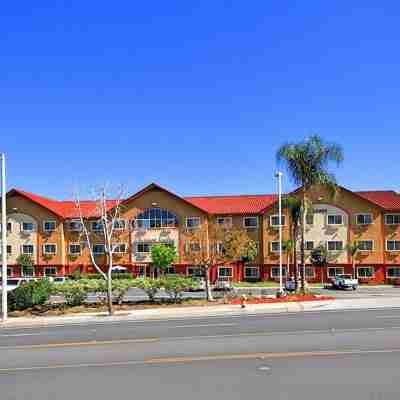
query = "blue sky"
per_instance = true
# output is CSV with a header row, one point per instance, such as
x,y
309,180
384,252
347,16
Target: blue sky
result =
x,y
195,95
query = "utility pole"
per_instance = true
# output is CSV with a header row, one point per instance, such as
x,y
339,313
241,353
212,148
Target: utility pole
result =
x,y
279,176
3,239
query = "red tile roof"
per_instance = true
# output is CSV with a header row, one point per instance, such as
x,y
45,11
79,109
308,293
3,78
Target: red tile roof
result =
x,y
387,199
242,204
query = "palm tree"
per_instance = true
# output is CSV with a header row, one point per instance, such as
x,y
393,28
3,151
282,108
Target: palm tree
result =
x,y
307,163
293,204
353,249
288,247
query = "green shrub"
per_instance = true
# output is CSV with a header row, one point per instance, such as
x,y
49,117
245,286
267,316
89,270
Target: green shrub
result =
x,y
30,294
115,275
175,285
150,286
75,292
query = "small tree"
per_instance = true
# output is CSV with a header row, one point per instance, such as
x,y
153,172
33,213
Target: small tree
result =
x,y
288,247
163,255
107,212
354,249
218,244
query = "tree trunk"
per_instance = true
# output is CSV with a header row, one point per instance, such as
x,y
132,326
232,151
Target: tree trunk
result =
x,y
209,295
296,272
354,268
303,234
109,289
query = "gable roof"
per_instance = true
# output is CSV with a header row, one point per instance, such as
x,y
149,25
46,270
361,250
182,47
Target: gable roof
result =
x,y
386,199
240,204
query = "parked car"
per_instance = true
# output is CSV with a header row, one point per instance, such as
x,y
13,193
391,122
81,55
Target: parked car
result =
x,y
58,279
345,282
223,283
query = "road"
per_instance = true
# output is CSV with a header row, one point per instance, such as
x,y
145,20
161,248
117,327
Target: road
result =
x,y
330,355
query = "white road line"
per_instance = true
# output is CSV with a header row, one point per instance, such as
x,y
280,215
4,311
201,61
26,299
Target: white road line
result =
x,y
388,316
199,325
21,334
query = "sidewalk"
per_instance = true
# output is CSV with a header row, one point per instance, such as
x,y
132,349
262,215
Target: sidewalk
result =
x,y
204,312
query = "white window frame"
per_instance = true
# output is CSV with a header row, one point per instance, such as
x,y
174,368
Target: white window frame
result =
x,y
367,240
99,253
394,240
334,241
190,250
335,215
75,221
394,214
54,268
75,244
335,274
9,224
92,226
168,272
225,223
193,218
9,246
270,246
250,227
27,230
51,221
49,244
277,269
27,276
364,267
143,243
116,245
364,214
283,219
257,276
28,244
193,267
305,245
392,276
225,276
310,215
117,221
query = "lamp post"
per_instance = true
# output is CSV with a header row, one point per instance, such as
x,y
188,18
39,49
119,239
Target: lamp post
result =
x,y
3,239
279,177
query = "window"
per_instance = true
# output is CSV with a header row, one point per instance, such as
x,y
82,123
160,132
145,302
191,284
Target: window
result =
x,y
194,271
392,219
364,219
309,272
74,249
153,218
50,271
27,226
252,272
274,220
9,227
193,247
335,219
334,271
393,245
120,248
310,219
393,272
275,272
309,245
220,248
170,271
97,226
28,249
143,247
28,271
366,245
192,222
49,226
75,225
225,221
49,248
98,249
9,249
250,222
225,272
274,247
365,272
119,224
335,245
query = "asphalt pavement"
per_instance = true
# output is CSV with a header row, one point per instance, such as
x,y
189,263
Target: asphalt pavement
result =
x,y
346,354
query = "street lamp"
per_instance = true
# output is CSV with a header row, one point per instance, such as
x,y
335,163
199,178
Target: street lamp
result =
x,y
279,176
3,239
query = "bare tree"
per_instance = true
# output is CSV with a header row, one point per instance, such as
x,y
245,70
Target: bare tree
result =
x,y
215,244
107,214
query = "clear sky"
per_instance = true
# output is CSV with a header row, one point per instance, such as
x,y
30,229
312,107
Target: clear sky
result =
x,y
195,95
